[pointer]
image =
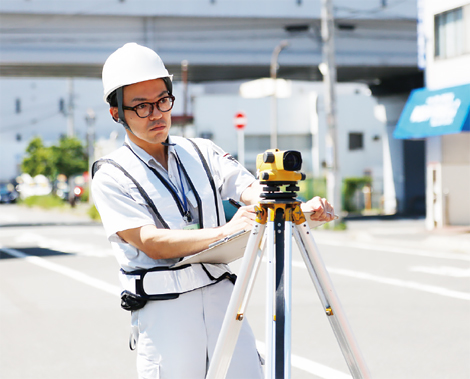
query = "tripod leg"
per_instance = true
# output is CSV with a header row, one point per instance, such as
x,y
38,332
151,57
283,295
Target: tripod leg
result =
x,y
235,311
288,298
329,298
270,310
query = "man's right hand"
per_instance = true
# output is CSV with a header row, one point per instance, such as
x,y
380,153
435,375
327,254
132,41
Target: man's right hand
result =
x,y
242,220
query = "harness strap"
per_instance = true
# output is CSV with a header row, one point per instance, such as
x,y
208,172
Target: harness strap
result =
x,y
96,167
209,176
225,275
163,283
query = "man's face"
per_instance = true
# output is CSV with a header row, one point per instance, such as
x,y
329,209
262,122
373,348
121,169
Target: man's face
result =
x,y
153,129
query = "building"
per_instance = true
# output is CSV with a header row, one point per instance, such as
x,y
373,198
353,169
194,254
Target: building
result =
x,y
439,114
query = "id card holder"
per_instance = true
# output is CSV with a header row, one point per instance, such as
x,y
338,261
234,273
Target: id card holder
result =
x,y
194,225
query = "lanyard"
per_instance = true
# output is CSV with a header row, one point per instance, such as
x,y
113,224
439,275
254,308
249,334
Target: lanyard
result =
x,y
181,204
187,215
191,185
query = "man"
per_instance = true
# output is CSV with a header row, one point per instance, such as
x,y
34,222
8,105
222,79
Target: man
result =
x,y
160,199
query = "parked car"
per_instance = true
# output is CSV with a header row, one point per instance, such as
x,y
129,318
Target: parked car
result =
x,y
8,193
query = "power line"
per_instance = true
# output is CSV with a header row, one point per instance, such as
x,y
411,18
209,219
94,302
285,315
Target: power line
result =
x,y
31,122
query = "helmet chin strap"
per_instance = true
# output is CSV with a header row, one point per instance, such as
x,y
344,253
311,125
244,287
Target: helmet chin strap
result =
x,y
120,100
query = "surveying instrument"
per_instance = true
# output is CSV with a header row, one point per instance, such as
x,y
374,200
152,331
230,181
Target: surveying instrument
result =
x,y
280,211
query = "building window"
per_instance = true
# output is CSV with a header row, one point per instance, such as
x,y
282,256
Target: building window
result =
x,y
62,106
18,106
257,143
356,141
295,142
261,143
451,33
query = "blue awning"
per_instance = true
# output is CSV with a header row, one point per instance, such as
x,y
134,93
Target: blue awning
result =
x,y
434,113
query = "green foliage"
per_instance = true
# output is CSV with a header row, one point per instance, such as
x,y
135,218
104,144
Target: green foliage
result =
x,y
350,185
311,187
85,195
334,225
68,158
93,213
46,202
340,226
39,159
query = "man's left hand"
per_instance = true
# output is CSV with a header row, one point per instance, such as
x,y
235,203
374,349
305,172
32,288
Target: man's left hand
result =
x,y
321,209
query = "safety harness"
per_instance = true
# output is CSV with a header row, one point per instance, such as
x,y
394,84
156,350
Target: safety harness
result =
x,y
164,283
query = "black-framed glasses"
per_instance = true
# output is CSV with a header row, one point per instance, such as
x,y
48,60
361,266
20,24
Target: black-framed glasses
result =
x,y
144,110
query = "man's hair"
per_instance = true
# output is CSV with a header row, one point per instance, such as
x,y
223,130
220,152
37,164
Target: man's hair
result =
x,y
112,97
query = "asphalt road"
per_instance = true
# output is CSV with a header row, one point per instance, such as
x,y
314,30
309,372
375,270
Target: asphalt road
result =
x,y
60,315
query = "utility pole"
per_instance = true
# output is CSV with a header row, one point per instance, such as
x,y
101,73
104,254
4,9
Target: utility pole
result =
x,y
274,57
184,77
70,110
90,119
328,69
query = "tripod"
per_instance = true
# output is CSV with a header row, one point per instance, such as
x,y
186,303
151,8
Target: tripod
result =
x,y
281,212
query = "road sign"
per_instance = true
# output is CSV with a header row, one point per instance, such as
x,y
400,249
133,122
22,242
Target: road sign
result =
x,y
239,120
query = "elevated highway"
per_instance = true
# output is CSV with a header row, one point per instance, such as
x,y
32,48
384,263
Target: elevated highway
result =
x,y
221,40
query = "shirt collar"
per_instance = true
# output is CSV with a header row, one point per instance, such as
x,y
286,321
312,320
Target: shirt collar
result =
x,y
146,157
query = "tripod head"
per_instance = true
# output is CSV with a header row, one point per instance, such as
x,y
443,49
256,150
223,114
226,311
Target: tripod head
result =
x,y
277,168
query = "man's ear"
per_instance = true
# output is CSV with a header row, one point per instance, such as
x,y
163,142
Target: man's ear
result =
x,y
114,113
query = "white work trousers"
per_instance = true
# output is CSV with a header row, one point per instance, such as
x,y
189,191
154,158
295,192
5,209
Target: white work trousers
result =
x,y
177,337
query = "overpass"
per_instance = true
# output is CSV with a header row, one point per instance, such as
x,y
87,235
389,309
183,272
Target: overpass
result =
x,y
221,39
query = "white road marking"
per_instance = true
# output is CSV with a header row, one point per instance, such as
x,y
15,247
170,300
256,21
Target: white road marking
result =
x,y
71,273
309,366
455,272
296,360
394,282
394,249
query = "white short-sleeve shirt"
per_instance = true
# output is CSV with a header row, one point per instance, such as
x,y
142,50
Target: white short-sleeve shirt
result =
x,y
122,208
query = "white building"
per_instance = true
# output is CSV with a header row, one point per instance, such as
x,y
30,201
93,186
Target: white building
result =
x,y
439,113
301,126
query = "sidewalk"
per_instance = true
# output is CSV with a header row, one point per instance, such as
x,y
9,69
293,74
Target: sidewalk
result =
x,y
16,215
405,233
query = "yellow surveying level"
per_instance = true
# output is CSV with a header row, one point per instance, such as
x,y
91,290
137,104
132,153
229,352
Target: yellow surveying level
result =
x,y
279,166
281,212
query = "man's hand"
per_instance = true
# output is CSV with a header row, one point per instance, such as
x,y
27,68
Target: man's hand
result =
x,y
242,220
321,209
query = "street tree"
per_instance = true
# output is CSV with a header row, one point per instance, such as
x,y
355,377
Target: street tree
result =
x,y
70,157
39,159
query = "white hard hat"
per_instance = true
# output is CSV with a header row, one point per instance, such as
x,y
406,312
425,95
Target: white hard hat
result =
x,y
131,64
